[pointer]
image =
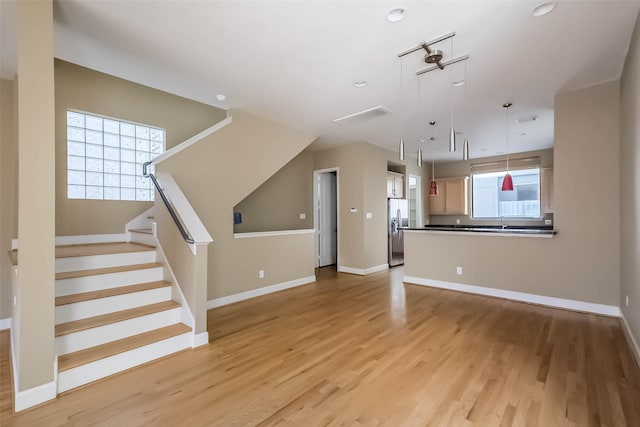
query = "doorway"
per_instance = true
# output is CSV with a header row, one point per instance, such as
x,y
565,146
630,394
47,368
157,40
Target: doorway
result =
x,y
325,220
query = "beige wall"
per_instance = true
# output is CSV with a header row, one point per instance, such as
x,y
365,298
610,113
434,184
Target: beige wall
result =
x,y
33,316
217,173
83,89
278,203
8,190
630,185
190,269
463,168
582,261
362,184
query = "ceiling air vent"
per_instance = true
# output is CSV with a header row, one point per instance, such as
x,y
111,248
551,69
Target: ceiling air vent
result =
x,y
526,119
362,116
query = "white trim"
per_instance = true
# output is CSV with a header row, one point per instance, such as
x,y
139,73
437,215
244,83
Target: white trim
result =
x,y
635,348
14,244
497,233
5,323
363,271
198,340
91,238
189,217
35,396
189,142
569,304
272,233
219,302
316,178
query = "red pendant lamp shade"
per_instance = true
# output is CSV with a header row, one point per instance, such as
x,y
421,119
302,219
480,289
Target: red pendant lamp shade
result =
x,y
433,188
507,183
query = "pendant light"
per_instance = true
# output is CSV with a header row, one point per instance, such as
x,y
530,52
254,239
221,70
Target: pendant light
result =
x,y
433,185
419,156
507,181
465,150
401,145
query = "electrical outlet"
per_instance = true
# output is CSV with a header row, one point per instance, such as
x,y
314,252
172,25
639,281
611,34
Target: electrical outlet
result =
x,y
261,274
626,300
548,222
459,271
369,215
303,215
458,223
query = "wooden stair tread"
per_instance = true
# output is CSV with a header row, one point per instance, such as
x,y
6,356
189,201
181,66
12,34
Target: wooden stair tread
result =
x,y
104,293
142,230
89,249
106,270
116,316
82,357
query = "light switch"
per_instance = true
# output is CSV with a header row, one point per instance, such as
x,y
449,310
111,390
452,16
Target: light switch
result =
x,y
353,210
369,215
303,215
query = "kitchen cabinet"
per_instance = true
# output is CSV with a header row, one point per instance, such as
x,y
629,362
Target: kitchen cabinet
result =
x,y
452,197
395,185
546,190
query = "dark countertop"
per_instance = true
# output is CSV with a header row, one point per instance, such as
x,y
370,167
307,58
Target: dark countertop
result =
x,y
496,229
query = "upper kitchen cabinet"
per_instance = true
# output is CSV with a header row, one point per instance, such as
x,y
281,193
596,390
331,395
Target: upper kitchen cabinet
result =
x,y
546,190
395,185
452,197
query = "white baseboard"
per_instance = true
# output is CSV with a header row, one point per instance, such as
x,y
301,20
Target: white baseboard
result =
x,y
635,348
218,302
589,307
5,323
201,339
363,271
34,396
91,238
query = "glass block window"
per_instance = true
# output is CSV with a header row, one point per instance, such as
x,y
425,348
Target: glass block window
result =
x,y
105,157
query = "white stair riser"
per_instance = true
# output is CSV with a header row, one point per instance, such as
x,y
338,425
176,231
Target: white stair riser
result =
x,y
114,331
93,371
104,261
82,310
144,238
107,281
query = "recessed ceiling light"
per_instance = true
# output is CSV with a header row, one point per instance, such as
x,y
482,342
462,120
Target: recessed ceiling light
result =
x,y
360,83
221,98
432,138
458,83
396,15
543,9
422,140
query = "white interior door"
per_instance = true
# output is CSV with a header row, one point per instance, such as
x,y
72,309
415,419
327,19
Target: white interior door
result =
x,y
327,219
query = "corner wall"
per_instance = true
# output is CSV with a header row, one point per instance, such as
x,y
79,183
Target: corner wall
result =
x,y
83,89
362,179
582,261
630,185
8,190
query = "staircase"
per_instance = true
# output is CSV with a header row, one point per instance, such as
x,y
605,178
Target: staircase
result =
x,y
113,310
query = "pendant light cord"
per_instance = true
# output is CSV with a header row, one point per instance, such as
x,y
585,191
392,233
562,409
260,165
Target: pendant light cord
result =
x,y
400,108
507,127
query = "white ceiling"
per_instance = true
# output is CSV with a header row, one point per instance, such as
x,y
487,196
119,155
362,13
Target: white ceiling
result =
x,y
296,61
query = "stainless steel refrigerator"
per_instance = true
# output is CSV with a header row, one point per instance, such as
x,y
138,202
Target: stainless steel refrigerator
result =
x,y
397,216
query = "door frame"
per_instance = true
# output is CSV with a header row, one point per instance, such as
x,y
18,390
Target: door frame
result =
x,y
316,202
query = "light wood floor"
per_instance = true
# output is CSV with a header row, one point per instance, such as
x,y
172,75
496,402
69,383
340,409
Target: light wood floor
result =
x,y
370,351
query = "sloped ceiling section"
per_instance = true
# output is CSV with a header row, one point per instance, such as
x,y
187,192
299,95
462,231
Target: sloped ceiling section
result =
x,y
296,62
